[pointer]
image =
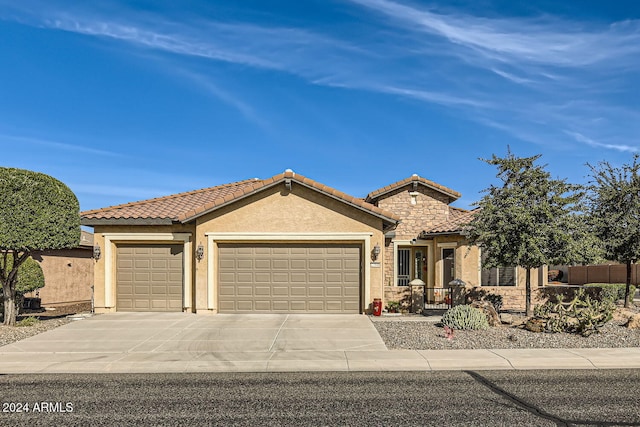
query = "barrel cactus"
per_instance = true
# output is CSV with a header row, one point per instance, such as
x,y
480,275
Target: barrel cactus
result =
x,y
463,317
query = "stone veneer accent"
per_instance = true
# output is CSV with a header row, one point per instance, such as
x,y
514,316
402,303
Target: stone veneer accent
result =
x,y
431,208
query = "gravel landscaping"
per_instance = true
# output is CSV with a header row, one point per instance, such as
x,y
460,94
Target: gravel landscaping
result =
x,y
47,320
9,334
426,333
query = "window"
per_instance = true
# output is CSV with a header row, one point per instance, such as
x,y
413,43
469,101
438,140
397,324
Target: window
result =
x,y
498,276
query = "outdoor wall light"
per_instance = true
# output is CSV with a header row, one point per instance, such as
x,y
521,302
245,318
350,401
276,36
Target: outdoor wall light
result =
x,y
200,252
375,253
96,252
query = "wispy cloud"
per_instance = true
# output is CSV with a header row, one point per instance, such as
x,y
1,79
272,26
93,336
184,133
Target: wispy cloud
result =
x,y
618,147
57,145
539,41
247,111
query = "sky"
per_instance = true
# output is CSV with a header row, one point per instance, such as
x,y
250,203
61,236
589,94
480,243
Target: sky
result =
x,y
124,100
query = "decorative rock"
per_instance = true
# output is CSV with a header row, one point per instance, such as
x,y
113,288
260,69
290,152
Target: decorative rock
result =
x,y
487,308
506,318
535,325
633,322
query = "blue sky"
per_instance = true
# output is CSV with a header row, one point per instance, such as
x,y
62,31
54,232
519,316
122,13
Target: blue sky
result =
x,y
124,101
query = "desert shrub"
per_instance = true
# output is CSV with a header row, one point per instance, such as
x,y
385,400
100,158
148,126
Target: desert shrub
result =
x,y
582,314
29,321
464,317
612,291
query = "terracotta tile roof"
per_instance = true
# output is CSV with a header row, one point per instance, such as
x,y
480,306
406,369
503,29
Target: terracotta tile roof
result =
x,y
185,207
414,178
168,207
458,218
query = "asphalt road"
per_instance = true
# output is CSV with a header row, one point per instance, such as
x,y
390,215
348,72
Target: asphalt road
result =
x,y
483,398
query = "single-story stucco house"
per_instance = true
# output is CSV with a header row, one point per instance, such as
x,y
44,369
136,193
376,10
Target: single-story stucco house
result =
x,y
286,244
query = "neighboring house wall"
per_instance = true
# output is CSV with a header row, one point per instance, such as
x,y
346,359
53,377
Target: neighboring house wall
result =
x,y
68,276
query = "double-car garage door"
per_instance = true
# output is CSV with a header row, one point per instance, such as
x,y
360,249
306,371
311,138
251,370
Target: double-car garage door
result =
x,y
252,278
289,278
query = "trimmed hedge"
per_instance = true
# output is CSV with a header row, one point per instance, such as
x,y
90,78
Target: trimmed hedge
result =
x,y
613,291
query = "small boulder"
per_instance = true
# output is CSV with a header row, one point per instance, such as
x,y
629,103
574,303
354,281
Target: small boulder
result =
x,y
633,322
535,325
487,308
506,318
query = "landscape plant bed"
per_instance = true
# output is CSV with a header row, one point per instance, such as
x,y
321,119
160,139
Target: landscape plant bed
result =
x,y
429,335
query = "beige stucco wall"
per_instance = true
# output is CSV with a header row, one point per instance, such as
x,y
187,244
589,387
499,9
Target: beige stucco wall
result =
x,y
283,213
68,276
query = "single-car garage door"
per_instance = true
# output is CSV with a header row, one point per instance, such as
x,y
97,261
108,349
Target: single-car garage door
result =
x,y
289,278
149,278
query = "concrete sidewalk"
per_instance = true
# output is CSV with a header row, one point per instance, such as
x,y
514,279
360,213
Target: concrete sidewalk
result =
x,y
178,342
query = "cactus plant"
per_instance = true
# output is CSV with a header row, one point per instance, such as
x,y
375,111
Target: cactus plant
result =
x,y
463,317
582,314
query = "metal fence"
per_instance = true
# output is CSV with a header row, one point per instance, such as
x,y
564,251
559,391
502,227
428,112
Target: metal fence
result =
x,y
438,298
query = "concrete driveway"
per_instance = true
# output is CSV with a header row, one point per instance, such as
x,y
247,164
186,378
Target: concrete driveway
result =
x,y
179,341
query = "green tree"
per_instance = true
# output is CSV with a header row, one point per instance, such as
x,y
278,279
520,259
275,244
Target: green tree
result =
x,y
614,208
37,212
528,220
30,278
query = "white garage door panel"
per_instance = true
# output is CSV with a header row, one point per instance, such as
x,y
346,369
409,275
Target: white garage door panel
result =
x,y
296,278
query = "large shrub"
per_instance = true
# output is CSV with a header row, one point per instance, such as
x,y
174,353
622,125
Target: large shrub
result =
x,y
613,291
464,317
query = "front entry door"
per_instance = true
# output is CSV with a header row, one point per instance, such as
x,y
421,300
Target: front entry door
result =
x,y
412,264
448,265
